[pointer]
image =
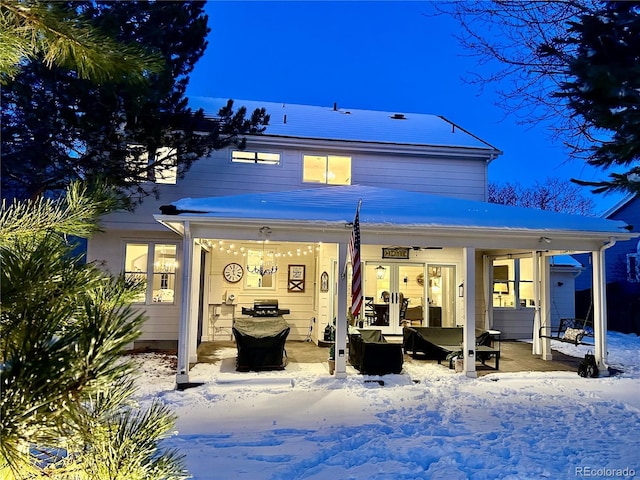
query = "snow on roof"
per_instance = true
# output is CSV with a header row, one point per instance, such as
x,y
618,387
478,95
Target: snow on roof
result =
x,y
565,261
382,206
306,121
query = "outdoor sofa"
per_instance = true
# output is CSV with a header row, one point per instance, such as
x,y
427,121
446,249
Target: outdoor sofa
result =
x,y
371,354
260,343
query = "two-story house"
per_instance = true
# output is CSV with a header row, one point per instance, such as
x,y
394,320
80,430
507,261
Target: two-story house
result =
x,y
273,222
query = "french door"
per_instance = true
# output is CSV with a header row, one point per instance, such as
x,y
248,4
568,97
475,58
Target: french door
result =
x,y
412,294
390,291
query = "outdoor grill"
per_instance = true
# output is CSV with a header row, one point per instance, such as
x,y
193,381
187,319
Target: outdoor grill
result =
x,y
265,308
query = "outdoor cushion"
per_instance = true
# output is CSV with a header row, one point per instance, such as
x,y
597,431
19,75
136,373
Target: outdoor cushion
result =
x,y
573,335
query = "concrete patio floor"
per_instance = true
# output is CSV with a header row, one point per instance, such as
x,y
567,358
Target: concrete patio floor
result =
x,y
514,357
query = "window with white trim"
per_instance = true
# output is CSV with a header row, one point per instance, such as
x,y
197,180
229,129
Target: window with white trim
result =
x,y
327,169
633,266
153,264
263,158
513,283
165,172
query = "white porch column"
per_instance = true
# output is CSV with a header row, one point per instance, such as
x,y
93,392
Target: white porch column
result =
x,y
545,268
341,319
599,308
469,334
488,290
536,348
194,304
182,376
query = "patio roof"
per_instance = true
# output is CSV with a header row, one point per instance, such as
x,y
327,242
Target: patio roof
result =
x,y
383,207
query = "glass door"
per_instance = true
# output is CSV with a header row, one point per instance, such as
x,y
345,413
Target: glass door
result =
x,y
391,289
441,294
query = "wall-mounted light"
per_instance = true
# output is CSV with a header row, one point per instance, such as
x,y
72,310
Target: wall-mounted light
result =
x,y
380,270
461,290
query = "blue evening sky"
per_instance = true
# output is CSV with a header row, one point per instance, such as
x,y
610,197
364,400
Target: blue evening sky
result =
x,y
386,56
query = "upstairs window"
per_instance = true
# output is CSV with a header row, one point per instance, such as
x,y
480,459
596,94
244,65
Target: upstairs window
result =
x,y
264,158
166,172
327,169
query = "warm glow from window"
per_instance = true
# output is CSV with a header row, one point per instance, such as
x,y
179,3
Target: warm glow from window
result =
x,y
160,267
166,173
330,169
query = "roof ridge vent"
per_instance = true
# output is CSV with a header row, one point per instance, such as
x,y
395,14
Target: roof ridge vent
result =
x,y
398,116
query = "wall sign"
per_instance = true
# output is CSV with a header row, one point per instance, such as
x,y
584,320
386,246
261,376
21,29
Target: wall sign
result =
x,y
395,252
295,282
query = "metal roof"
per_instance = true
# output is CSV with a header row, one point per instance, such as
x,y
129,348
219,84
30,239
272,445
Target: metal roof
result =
x,y
347,124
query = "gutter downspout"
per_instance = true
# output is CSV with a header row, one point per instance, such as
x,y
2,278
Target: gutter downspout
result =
x,y
600,306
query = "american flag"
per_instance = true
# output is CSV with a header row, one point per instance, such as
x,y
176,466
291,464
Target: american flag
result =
x,y
356,278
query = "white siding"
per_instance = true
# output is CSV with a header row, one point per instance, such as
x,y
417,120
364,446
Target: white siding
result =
x,y
217,176
514,323
301,304
107,250
448,174
563,303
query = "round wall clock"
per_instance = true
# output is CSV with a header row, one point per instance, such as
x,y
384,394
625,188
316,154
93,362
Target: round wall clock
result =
x,y
233,272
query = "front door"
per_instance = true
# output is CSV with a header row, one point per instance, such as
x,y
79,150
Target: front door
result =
x,y
391,290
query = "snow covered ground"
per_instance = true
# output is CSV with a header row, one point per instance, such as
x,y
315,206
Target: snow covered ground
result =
x,y
429,423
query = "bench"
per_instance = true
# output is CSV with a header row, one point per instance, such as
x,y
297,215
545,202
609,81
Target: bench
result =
x,y
437,343
569,330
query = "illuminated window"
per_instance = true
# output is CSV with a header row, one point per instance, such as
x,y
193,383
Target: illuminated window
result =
x,y
513,283
328,169
263,158
155,261
166,172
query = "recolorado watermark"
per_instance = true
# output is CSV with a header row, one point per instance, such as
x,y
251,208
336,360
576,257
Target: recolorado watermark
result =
x,y
605,472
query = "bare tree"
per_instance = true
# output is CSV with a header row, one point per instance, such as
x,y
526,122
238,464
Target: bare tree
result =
x,y
510,40
554,195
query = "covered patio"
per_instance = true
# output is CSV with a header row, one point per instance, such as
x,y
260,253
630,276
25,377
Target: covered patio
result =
x,y
515,357
473,233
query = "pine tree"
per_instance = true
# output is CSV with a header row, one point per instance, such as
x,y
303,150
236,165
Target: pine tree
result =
x,y
65,408
572,66
58,127
605,90
58,32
